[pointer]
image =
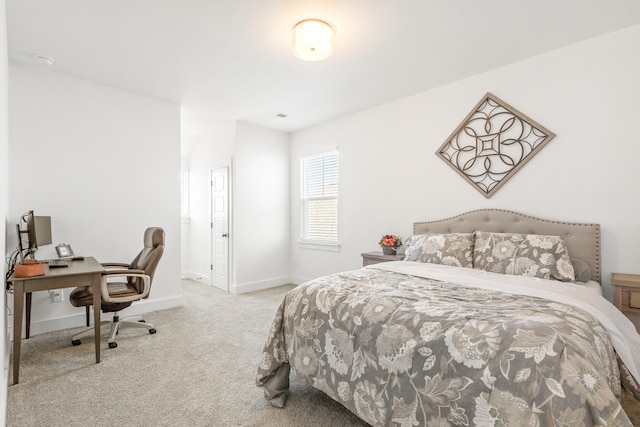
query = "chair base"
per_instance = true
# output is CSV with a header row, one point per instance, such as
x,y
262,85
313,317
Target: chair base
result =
x,y
116,324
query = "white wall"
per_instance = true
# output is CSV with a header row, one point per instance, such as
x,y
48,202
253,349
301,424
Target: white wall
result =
x,y
104,164
586,93
211,150
261,229
4,201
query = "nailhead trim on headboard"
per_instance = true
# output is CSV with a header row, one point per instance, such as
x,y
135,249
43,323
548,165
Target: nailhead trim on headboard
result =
x,y
582,239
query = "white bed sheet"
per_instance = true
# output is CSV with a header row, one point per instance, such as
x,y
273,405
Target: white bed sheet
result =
x,y
586,296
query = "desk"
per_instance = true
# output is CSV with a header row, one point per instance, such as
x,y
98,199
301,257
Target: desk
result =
x,y
86,272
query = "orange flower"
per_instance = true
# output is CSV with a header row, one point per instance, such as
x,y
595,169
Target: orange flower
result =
x,y
390,240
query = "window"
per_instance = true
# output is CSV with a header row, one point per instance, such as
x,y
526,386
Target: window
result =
x,y
319,198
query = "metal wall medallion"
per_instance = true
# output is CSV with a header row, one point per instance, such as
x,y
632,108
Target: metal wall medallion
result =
x,y
492,143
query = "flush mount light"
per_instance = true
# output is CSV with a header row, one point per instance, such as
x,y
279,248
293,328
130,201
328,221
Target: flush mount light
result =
x,y
313,40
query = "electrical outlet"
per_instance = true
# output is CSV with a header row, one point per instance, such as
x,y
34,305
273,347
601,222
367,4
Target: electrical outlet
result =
x,y
56,295
10,326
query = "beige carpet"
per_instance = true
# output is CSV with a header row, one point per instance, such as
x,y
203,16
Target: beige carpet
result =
x,y
198,370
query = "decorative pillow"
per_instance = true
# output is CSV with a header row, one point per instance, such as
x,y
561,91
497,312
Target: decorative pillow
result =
x,y
454,249
523,255
581,269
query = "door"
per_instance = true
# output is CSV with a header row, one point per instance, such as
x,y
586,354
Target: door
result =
x,y
220,228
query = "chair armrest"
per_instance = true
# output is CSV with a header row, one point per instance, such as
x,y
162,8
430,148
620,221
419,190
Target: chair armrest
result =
x,y
104,289
114,264
122,272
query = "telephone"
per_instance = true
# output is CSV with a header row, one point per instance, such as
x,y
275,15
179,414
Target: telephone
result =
x,y
64,251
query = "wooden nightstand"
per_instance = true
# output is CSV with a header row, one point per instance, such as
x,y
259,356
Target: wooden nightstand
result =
x,y
627,295
369,258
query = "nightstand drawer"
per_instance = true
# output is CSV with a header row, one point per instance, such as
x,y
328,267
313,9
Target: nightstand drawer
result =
x,y
369,258
634,299
627,295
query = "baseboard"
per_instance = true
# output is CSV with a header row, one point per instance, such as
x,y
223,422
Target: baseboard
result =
x,y
248,287
261,285
78,320
195,276
297,280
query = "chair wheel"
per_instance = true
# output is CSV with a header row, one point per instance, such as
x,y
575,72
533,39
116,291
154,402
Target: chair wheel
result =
x,y
75,342
152,330
113,344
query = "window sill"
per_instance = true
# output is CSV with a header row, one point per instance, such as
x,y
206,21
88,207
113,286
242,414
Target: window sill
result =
x,y
319,246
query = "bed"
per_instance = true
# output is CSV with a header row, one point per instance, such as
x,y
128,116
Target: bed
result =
x,y
494,318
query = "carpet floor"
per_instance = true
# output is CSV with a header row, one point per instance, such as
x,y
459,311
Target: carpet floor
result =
x,y
198,370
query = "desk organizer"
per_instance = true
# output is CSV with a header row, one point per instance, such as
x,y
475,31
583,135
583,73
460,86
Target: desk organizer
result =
x,y
28,268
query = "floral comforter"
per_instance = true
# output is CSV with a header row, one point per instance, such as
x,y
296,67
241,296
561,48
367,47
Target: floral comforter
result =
x,y
397,349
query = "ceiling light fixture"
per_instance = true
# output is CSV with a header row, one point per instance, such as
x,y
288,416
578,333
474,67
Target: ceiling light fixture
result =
x,y
313,40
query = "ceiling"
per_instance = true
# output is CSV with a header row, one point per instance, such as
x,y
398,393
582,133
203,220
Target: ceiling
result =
x,y
231,59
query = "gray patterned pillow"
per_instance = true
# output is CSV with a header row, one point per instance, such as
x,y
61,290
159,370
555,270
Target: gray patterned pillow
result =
x,y
523,254
454,249
581,270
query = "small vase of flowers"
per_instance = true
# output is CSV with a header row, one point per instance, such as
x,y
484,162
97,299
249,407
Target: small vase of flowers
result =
x,y
390,244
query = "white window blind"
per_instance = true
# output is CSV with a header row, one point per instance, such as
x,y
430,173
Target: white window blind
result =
x,y
319,195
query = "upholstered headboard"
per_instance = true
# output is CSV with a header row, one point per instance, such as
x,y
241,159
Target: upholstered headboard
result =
x,y
583,240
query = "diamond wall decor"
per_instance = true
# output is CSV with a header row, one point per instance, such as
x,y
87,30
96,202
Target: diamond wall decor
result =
x,y
492,143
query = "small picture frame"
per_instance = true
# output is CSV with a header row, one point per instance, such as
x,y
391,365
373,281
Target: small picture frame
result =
x,y
64,251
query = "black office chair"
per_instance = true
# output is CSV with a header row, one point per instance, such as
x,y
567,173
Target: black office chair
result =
x,y
122,284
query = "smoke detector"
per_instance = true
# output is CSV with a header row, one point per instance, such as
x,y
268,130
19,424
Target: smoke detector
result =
x,y
44,61
32,59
